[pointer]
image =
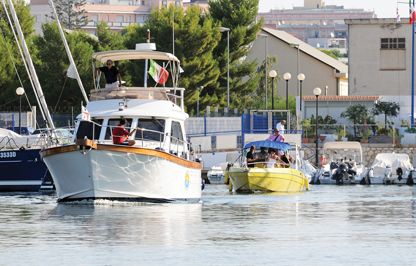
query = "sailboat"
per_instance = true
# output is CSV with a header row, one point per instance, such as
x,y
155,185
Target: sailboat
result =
x,y
21,167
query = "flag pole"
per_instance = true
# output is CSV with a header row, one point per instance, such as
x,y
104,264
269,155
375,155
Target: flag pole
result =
x,y
412,115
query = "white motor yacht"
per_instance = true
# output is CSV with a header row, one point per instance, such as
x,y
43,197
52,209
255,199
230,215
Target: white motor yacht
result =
x,y
157,168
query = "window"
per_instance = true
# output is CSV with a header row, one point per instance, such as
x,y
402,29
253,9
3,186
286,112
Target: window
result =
x,y
155,129
393,43
112,123
176,133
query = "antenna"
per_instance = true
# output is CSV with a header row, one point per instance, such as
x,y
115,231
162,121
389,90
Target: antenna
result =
x,y
148,36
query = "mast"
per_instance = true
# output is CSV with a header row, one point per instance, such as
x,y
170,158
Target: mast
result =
x,y
32,70
68,52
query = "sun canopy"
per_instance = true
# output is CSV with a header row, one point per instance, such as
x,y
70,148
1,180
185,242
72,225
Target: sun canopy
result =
x,y
269,144
118,55
341,145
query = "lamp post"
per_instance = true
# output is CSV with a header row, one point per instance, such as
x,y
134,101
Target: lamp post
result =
x,y
20,91
224,29
272,74
265,65
301,78
287,76
197,100
316,92
297,46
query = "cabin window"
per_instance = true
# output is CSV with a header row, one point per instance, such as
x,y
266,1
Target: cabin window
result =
x,y
153,129
112,123
176,133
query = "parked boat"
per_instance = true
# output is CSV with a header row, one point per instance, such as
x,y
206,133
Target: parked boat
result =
x,y
341,163
158,167
22,169
216,175
262,178
389,169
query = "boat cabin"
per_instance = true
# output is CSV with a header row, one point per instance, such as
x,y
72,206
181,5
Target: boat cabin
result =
x,y
156,113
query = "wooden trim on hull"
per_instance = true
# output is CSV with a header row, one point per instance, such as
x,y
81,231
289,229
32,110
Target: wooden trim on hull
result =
x,y
126,149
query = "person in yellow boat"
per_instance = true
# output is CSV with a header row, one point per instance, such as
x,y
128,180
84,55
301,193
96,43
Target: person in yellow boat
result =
x,y
271,161
251,157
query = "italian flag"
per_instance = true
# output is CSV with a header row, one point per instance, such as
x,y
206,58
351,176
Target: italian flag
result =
x,y
158,73
412,12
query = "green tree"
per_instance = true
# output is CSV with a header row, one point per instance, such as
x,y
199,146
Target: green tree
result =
x,y
53,63
11,58
332,53
387,109
358,114
107,39
71,13
196,36
240,16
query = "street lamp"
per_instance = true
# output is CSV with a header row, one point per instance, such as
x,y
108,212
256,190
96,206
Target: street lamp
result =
x,y
197,100
301,78
224,29
297,46
265,64
20,91
272,74
287,76
316,92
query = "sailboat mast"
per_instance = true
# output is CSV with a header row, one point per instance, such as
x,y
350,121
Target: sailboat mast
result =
x,y
68,52
29,61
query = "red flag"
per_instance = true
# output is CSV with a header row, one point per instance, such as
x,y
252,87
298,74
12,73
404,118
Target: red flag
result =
x,y
412,13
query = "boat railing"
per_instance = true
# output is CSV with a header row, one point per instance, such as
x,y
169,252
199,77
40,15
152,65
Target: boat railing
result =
x,y
173,94
159,142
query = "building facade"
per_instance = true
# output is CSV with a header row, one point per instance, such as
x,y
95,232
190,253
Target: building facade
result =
x,y
380,60
295,56
315,23
116,13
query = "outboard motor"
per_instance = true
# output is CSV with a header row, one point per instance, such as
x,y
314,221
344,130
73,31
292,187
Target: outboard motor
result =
x,y
399,173
340,174
410,180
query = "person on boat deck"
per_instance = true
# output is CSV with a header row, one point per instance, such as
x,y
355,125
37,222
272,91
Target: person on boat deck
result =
x,y
271,161
251,158
121,135
276,136
281,126
263,155
112,75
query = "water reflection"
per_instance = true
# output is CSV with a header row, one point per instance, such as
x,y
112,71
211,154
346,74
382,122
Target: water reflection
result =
x,y
362,225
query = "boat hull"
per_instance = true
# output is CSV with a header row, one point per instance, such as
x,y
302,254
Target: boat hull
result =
x,y
122,173
22,170
285,180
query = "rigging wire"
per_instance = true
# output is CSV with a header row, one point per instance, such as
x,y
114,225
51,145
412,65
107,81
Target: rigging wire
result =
x,y
60,95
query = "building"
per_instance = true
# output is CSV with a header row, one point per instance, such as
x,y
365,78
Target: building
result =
x,y
380,60
294,56
116,13
315,23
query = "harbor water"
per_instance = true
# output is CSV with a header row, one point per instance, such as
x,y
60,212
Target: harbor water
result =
x,y
329,225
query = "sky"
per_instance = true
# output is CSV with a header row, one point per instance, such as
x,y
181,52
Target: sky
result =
x,y
382,8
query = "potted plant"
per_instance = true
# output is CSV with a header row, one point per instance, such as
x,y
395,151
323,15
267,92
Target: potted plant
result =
x,y
365,135
341,133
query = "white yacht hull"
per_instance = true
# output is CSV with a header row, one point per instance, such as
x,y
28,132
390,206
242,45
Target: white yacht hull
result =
x,y
125,173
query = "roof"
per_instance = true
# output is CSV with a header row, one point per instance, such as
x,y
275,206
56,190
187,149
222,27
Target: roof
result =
x,y
332,98
117,55
307,49
377,21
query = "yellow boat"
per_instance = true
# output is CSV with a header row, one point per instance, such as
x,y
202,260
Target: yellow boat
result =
x,y
259,178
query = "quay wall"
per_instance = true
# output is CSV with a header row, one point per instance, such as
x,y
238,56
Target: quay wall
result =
x,y
369,151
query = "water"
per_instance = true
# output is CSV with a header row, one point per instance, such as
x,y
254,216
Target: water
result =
x,y
330,225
